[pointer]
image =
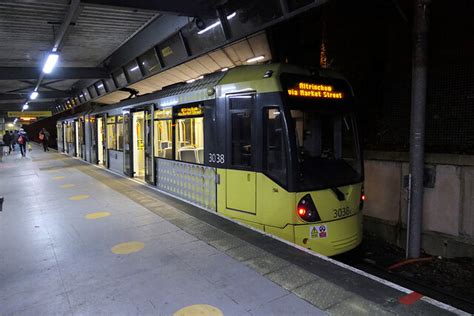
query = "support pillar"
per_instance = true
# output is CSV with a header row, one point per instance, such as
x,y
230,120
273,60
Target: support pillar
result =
x,y
417,128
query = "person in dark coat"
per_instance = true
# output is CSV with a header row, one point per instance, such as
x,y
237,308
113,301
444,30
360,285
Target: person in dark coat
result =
x,y
7,140
44,138
22,141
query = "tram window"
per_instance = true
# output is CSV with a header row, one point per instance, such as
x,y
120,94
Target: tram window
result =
x,y
274,156
163,139
120,132
111,134
190,140
241,139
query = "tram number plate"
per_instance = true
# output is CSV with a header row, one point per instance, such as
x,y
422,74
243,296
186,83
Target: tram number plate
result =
x,y
320,231
216,158
341,212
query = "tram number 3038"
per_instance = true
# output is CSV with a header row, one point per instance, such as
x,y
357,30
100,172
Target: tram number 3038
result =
x,y
341,212
216,158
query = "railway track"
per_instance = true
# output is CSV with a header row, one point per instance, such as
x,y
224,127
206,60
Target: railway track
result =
x,y
355,260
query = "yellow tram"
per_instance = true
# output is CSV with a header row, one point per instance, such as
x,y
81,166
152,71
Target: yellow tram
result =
x,y
273,146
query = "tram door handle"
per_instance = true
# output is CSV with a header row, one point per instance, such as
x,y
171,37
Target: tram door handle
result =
x,y
275,190
248,177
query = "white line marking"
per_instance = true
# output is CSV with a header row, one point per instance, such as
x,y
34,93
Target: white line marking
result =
x,y
400,288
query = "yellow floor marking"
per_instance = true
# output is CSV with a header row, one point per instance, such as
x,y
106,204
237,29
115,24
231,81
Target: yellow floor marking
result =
x,y
58,178
79,197
67,186
127,247
199,309
97,215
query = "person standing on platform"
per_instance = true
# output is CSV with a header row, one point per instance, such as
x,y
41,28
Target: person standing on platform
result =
x,y
22,141
44,138
7,140
14,139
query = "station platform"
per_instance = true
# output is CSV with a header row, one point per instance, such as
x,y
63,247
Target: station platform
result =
x,y
76,239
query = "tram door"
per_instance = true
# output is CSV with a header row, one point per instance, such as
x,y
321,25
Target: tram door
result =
x,y
241,175
138,144
148,137
77,143
93,129
101,146
127,145
64,126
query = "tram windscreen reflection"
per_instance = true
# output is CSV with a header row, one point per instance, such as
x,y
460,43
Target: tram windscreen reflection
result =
x,y
327,149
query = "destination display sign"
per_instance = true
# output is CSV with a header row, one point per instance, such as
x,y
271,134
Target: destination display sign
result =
x,y
195,110
314,90
30,114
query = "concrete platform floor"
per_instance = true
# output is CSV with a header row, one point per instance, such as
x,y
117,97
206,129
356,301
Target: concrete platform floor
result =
x,y
75,239
71,245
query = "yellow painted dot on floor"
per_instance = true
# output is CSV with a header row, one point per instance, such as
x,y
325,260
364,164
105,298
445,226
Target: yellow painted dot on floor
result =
x,y
67,186
58,178
97,215
199,309
127,247
79,197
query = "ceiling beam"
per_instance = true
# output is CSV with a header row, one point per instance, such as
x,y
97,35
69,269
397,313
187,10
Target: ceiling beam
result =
x,y
62,73
41,96
194,8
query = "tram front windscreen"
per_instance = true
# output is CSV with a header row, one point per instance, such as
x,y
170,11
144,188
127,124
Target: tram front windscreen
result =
x,y
325,132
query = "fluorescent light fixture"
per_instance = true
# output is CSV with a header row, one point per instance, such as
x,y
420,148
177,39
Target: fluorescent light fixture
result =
x,y
254,59
224,69
190,80
213,25
200,77
50,63
134,68
25,106
33,95
100,86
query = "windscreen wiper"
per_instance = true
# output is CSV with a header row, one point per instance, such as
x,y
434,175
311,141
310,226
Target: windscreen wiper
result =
x,y
339,194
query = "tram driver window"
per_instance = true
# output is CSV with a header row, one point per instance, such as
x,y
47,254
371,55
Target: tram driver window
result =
x,y
274,156
241,132
190,139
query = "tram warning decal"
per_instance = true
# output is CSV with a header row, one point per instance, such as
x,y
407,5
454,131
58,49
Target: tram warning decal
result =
x,y
320,231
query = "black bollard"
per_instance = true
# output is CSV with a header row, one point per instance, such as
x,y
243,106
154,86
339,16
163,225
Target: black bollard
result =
x,y
1,203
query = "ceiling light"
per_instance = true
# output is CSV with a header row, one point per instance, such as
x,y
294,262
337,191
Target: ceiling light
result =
x,y
25,106
50,63
254,59
134,68
224,69
213,25
190,80
33,95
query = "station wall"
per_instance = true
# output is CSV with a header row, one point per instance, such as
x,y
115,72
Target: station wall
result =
x,y
448,208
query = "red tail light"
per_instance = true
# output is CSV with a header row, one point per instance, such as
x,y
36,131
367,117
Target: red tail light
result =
x,y
362,198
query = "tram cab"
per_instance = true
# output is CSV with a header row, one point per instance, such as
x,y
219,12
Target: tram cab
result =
x,y
293,161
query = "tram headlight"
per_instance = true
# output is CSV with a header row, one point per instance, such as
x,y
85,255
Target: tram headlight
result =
x,y
307,210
